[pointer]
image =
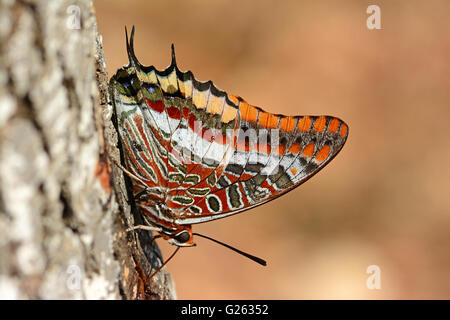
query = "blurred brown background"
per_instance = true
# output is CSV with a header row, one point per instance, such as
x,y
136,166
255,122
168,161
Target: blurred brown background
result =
x,y
384,200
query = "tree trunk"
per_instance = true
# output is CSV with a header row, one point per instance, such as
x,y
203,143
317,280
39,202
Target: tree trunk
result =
x,y
64,209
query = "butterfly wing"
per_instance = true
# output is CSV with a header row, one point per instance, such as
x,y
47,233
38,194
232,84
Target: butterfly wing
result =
x,y
210,154
259,156
280,159
140,145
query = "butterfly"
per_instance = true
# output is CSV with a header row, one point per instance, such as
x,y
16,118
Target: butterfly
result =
x,y
196,153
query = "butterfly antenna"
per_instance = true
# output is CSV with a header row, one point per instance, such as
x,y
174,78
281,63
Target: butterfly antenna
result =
x,y
251,257
165,262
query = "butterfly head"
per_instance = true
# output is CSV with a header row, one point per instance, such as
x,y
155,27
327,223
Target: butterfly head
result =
x,y
182,237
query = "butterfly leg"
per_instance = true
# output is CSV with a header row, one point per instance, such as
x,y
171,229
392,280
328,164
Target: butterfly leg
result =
x,y
137,195
144,227
128,173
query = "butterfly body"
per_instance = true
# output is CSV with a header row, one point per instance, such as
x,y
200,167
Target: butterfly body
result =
x,y
200,154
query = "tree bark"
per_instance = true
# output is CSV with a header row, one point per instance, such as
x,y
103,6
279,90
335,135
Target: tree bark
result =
x,y
64,209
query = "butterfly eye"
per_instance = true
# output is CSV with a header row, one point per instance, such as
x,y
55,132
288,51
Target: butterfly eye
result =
x,y
183,237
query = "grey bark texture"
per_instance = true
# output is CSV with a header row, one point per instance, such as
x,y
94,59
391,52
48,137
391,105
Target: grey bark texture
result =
x,y
64,209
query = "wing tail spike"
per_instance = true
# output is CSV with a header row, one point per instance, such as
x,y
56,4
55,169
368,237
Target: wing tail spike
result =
x,y
173,63
128,46
130,49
